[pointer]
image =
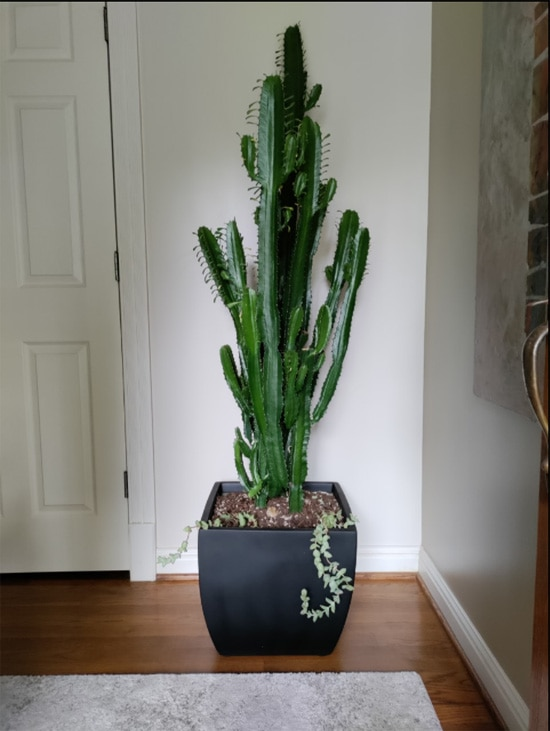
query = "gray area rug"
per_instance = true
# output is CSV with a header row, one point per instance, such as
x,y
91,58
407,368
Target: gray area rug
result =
x,y
217,702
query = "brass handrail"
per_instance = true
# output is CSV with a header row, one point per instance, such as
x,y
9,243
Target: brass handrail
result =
x,y
530,350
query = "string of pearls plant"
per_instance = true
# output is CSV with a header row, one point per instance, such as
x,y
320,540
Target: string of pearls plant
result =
x,y
334,578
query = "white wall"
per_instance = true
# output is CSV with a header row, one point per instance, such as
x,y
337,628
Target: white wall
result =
x,y
480,460
199,63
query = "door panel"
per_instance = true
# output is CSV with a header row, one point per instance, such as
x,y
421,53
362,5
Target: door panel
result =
x,y
62,504
538,711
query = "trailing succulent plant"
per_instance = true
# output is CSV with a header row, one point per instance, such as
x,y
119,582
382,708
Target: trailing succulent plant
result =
x,y
281,345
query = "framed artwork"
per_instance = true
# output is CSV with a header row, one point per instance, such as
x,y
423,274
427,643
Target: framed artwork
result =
x,y
504,204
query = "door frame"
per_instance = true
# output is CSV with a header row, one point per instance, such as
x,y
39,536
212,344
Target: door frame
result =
x,y
130,218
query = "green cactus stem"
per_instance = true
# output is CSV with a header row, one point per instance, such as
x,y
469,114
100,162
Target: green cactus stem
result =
x,y
274,374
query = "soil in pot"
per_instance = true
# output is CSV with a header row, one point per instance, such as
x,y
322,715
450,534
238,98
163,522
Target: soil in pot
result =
x,y
276,514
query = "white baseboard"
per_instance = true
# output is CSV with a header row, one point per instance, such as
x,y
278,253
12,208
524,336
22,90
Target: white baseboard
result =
x,y
506,699
187,564
387,559
370,559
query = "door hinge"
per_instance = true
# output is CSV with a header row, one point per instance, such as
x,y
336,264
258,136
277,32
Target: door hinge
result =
x,y
126,483
117,267
105,24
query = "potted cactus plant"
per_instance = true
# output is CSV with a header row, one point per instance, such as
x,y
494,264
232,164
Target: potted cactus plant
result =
x,y
264,589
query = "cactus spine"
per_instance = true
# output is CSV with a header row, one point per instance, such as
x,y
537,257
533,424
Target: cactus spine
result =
x,y
275,377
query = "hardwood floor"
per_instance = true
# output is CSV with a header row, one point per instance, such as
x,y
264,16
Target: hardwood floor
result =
x,y
59,624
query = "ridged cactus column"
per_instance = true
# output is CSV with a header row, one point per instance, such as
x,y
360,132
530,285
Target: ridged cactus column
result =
x,y
281,347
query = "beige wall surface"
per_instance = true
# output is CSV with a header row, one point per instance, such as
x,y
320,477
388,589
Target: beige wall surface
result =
x,y
480,461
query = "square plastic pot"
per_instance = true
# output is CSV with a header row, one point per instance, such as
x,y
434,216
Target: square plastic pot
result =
x,y
251,578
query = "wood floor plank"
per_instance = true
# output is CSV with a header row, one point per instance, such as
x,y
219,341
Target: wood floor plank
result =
x,y
65,624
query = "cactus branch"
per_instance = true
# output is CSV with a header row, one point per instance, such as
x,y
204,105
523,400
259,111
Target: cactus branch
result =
x,y
280,354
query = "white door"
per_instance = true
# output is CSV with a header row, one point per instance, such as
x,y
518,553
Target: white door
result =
x,y
62,503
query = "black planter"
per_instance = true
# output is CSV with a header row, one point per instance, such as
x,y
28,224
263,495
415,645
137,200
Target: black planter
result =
x,y
251,578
